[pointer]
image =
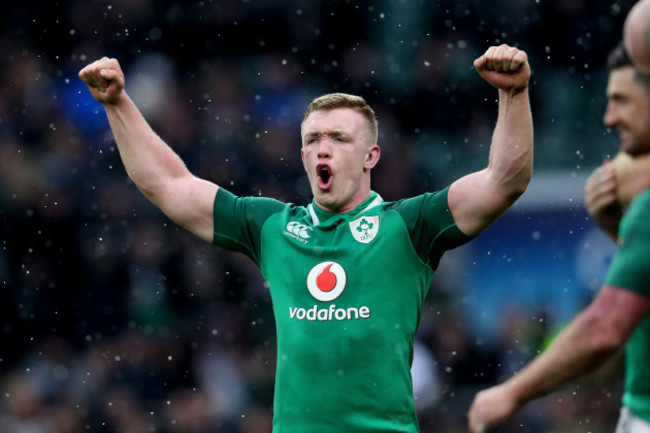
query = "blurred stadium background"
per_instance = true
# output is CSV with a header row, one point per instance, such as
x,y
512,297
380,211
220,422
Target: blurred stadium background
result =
x,y
112,319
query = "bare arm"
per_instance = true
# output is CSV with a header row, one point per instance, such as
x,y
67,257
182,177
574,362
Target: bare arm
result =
x,y
152,165
591,339
476,200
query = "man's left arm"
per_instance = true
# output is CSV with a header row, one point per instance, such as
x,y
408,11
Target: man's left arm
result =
x,y
478,199
591,339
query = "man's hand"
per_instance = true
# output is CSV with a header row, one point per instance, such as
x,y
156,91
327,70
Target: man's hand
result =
x,y
631,176
602,201
505,67
105,80
489,408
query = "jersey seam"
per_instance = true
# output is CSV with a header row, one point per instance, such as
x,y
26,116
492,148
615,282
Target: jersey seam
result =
x,y
441,232
435,238
235,241
414,250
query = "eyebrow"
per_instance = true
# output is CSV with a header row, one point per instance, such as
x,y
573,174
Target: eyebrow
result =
x,y
320,133
311,135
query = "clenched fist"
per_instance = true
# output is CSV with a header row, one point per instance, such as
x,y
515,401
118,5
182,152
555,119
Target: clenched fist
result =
x,y
105,80
505,67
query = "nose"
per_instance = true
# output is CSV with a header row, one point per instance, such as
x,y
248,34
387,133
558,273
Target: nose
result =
x,y
324,149
610,118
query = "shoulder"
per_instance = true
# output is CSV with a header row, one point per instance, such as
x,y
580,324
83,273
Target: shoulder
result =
x,y
226,198
426,202
629,269
635,219
641,202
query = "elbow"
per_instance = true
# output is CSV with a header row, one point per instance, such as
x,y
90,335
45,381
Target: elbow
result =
x,y
514,181
154,186
154,193
515,187
608,343
523,177
520,187
601,333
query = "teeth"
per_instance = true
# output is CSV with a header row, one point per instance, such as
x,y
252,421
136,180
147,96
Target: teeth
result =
x,y
324,174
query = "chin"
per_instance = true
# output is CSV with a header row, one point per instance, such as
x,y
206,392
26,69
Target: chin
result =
x,y
329,203
634,149
322,198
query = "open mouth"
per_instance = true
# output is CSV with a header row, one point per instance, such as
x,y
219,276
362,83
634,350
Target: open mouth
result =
x,y
324,176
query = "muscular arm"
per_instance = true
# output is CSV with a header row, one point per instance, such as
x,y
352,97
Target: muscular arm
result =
x,y
152,165
592,338
476,200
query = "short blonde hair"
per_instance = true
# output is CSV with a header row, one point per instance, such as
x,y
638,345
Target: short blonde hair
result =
x,y
332,101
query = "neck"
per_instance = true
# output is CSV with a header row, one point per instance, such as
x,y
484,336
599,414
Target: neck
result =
x,y
352,204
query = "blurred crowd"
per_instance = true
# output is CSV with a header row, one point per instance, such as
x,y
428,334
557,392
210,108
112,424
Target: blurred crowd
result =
x,y
113,319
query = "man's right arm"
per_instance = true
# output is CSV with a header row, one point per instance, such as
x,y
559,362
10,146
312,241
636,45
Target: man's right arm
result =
x,y
154,167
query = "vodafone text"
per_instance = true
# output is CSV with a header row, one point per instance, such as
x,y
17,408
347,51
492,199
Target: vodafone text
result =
x,y
332,313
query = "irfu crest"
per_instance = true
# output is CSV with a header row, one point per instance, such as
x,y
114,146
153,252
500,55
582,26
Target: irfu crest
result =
x,y
365,229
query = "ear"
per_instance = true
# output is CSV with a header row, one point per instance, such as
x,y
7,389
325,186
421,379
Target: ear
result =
x,y
302,157
372,157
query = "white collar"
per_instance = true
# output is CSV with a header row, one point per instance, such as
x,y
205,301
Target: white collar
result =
x,y
316,221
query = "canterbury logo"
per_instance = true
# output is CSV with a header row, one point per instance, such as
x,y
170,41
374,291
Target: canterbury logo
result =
x,y
299,229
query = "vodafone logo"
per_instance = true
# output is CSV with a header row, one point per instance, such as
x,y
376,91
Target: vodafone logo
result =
x,y
326,281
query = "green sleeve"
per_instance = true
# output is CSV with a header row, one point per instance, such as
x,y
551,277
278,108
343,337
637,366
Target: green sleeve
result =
x,y
238,221
630,268
431,226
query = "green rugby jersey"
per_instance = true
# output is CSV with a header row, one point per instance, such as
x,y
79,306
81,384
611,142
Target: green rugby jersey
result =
x,y
347,291
630,270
